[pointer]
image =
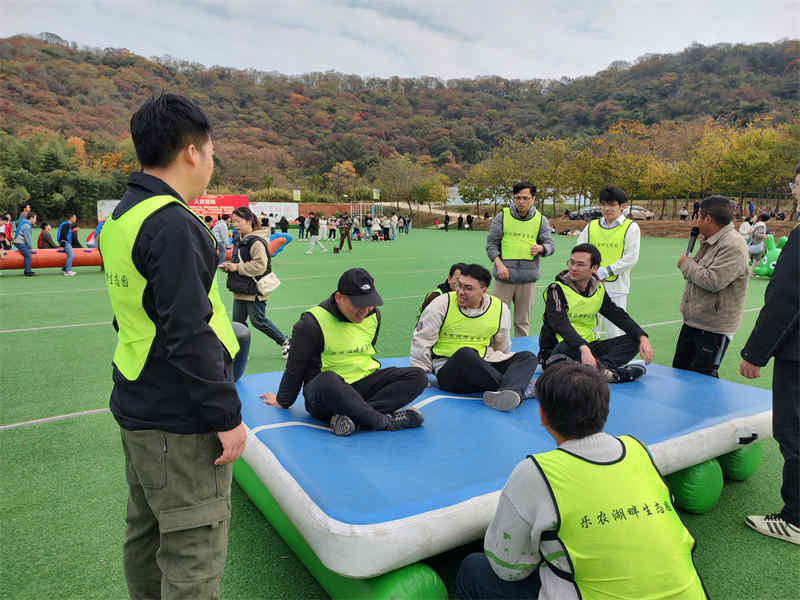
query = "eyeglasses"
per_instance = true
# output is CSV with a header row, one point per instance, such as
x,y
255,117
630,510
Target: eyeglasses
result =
x,y
577,264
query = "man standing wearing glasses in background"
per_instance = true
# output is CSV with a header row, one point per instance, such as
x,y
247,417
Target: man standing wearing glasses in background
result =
x,y
572,306
617,238
518,236
716,288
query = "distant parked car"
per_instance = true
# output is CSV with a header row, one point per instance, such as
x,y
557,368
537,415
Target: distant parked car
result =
x,y
587,213
638,212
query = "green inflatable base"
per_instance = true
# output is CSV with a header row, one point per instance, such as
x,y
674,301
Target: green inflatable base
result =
x,y
697,489
415,581
742,462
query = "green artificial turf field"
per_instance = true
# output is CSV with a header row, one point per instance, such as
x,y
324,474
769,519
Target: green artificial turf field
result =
x,y
63,491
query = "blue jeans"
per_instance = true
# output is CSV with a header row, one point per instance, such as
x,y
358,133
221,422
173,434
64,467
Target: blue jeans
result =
x,y
476,580
68,249
26,254
255,309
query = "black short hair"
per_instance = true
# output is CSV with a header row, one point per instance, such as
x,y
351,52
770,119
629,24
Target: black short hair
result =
x,y
23,205
477,272
518,187
591,249
225,216
718,208
164,125
43,224
457,267
574,397
243,212
209,218
763,217
612,194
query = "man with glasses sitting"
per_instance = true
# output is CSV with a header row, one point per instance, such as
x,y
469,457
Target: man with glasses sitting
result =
x,y
572,306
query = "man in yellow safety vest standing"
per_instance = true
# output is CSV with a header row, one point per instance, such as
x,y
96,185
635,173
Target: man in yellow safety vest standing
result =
x,y
463,337
572,306
591,519
333,359
618,239
173,396
517,237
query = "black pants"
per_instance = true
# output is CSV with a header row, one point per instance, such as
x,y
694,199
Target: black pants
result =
x,y
465,372
700,351
366,401
786,431
610,354
345,235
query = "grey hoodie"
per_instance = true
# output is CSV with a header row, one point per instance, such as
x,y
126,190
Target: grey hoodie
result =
x,y
520,271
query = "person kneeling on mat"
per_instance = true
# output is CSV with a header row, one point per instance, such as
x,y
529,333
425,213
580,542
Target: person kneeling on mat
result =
x,y
592,518
572,304
332,357
464,338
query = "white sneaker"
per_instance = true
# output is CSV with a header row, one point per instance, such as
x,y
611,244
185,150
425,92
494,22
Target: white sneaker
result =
x,y
324,249
69,273
773,526
309,252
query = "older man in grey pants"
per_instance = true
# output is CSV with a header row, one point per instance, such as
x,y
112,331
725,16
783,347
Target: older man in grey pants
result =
x,y
518,236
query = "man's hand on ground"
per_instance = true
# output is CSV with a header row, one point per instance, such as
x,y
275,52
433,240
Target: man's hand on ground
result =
x,y
271,399
645,349
232,442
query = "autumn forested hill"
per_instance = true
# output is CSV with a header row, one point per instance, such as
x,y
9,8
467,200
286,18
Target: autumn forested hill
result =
x,y
300,126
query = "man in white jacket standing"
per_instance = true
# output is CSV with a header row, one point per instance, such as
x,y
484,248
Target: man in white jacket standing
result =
x,y
618,239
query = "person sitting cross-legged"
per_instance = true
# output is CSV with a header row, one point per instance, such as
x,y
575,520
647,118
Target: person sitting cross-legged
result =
x,y
572,305
464,338
332,358
592,518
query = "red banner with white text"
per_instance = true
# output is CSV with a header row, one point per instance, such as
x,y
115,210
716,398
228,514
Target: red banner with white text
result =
x,y
217,204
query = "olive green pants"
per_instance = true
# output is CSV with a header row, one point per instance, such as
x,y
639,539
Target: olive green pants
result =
x,y
179,509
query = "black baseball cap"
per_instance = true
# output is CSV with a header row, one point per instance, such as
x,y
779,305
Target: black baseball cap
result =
x,y
359,286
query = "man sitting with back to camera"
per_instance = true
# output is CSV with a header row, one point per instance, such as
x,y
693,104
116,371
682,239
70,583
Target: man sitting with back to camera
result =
x,y
572,305
463,337
332,358
590,519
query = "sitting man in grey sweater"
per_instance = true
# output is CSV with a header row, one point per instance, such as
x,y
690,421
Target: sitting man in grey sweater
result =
x,y
463,337
592,518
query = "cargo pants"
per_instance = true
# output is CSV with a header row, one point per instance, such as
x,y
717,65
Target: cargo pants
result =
x,y
176,539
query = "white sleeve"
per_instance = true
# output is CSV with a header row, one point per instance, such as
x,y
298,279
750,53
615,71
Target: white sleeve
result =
x,y
583,236
426,334
501,341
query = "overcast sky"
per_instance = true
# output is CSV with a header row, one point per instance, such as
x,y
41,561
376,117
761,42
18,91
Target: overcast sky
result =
x,y
444,38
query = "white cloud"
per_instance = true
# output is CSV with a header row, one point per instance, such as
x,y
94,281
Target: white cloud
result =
x,y
415,37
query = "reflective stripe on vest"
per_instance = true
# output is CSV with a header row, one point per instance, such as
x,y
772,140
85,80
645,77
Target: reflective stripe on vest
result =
x,y
610,242
347,349
582,311
519,235
618,527
459,331
126,287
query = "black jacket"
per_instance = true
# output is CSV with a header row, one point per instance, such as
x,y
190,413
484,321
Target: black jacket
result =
x,y
777,330
555,319
186,385
305,357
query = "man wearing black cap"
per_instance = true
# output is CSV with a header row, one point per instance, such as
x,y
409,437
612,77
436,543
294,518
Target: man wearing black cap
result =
x,y
332,357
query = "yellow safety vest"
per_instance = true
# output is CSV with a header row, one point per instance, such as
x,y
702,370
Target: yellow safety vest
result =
x,y
582,311
618,527
126,287
610,242
519,235
459,331
347,349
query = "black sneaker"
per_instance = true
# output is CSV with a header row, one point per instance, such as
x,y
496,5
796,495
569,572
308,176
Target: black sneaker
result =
x,y
627,373
29,273
342,425
405,418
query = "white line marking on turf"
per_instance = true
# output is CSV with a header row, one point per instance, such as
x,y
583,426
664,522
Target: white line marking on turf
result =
x,y
660,323
53,292
27,329
56,418
427,401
